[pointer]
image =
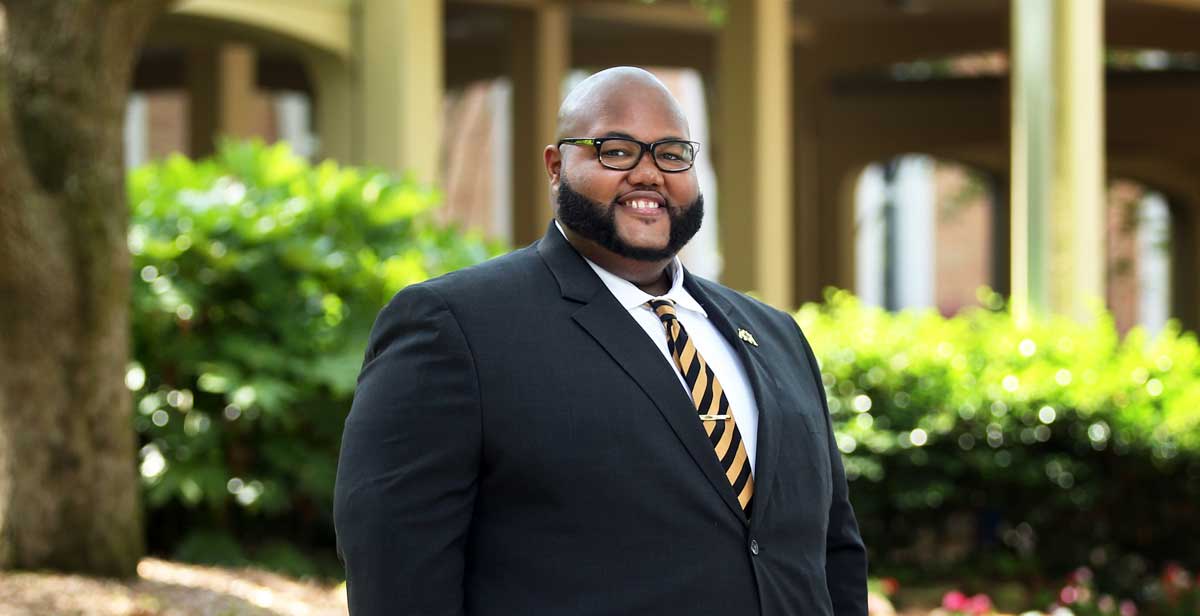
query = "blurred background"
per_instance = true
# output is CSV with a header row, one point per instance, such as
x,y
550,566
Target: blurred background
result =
x,y
864,145
983,212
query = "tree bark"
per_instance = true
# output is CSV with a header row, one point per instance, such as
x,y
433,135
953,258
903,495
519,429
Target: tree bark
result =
x,y
69,496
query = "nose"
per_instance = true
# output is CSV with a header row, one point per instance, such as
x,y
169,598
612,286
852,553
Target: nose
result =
x,y
645,173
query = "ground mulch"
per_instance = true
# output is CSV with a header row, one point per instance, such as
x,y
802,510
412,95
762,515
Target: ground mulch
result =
x,y
164,588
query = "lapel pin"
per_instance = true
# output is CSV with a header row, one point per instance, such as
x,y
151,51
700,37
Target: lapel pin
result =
x,y
747,337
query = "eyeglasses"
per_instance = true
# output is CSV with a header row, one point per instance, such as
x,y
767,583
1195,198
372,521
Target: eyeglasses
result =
x,y
669,155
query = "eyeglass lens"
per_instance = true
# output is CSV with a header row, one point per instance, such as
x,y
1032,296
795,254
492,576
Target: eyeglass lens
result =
x,y
668,155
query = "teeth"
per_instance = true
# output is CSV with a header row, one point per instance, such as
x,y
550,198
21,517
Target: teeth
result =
x,y
642,204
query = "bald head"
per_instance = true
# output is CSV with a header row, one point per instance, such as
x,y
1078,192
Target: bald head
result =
x,y
612,93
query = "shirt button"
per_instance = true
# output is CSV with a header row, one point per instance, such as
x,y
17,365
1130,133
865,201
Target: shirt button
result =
x,y
754,547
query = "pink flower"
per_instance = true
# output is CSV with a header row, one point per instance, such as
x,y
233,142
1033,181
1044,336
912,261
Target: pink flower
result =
x,y
1128,608
1068,595
979,605
1176,576
957,602
954,601
1082,575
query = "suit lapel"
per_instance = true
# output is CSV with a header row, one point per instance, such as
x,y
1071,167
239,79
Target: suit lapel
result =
x,y
727,319
625,341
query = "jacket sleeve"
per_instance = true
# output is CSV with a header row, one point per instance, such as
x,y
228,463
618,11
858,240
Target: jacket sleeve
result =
x,y
408,470
845,553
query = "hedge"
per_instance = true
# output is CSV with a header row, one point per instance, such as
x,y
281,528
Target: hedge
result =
x,y
1026,451
257,277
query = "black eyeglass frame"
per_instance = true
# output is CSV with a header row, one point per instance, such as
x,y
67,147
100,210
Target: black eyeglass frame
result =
x,y
597,142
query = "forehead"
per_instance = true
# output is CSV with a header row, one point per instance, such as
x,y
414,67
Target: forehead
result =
x,y
645,117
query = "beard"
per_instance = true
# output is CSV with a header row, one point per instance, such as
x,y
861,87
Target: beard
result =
x,y
597,223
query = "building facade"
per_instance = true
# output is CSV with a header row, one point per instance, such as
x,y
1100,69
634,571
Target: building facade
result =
x,y
806,104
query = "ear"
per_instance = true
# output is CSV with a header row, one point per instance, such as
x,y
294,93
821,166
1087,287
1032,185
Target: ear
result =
x,y
552,156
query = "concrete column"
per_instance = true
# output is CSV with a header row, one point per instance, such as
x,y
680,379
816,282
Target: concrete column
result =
x,y
1057,157
811,224
223,96
334,109
754,149
1077,272
540,57
402,85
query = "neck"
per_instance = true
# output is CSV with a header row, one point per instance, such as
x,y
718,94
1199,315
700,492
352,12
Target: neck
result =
x,y
651,277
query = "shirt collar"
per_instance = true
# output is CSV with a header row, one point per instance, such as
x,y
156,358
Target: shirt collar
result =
x,y
633,298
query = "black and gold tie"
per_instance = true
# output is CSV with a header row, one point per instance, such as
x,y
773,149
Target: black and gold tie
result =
x,y
711,403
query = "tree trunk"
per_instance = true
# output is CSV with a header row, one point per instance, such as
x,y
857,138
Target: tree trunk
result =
x,y
69,496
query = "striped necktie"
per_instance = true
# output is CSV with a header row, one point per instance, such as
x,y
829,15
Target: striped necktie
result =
x,y
711,404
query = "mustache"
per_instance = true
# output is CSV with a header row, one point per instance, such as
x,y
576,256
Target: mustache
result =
x,y
596,221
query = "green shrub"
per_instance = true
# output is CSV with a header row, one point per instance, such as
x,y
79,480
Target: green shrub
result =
x,y
209,547
1053,445
256,281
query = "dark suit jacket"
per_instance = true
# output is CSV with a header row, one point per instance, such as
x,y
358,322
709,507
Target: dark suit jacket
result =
x,y
518,445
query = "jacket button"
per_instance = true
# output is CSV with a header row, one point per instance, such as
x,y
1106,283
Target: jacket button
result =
x,y
754,547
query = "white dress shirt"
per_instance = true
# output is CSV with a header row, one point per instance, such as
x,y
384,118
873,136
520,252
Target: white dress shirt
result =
x,y
709,342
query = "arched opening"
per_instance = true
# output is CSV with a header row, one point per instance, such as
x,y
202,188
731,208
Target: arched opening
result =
x,y
925,234
1139,266
200,78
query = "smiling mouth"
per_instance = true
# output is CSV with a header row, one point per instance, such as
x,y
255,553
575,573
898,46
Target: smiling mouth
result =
x,y
641,204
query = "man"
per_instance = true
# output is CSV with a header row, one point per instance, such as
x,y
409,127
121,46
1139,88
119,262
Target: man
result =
x,y
583,427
